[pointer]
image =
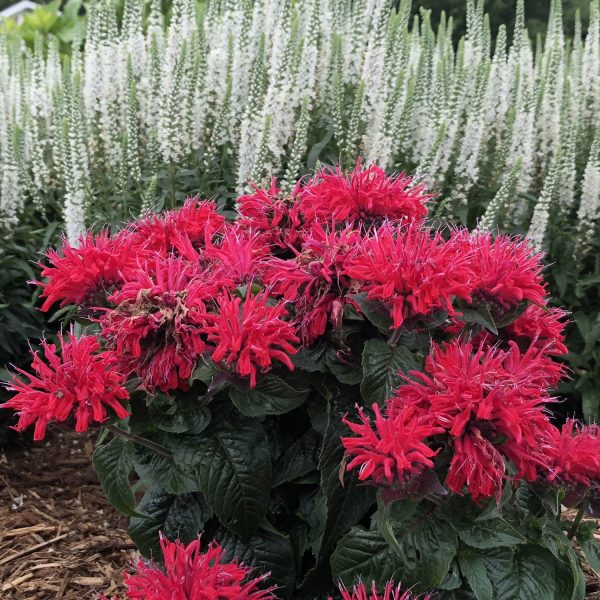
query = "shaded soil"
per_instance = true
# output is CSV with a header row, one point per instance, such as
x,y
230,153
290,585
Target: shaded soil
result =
x,y
59,537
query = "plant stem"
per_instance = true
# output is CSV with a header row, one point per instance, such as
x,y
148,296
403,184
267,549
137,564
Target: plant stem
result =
x,y
132,437
573,530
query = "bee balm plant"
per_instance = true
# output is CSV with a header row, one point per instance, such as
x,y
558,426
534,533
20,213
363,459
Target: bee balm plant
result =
x,y
327,387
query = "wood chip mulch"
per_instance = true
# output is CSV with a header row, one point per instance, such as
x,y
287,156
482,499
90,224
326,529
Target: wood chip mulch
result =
x,y
59,537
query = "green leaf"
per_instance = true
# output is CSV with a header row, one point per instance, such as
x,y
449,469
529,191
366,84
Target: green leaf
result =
x,y
348,501
569,578
591,549
204,371
266,551
490,533
299,459
531,577
427,546
311,359
347,371
166,472
590,400
363,554
178,517
233,462
381,367
194,418
473,568
113,463
271,396
480,316
376,312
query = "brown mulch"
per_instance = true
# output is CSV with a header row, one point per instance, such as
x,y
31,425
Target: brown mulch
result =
x,y
59,537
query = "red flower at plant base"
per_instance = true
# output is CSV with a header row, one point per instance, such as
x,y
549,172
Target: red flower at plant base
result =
x,y
83,273
573,454
485,395
189,574
250,335
415,271
80,382
367,195
395,450
275,216
506,271
158,324
181,231
316,281
391,592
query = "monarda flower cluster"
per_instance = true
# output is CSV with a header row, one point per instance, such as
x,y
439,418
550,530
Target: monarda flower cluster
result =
x,y
187,573
172,291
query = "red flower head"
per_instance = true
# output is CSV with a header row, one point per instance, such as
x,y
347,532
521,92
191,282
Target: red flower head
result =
x,y
486,395
395,450
80,382
249,336
476,464
237,255
84,274
541,325
573,454
158,322
316,281
413,270
367,195
189,574
274,215
181,231
506,271
391,592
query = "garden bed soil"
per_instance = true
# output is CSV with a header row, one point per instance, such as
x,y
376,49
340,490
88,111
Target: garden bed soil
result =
x,y
59,537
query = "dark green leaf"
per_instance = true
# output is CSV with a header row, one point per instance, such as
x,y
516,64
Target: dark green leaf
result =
x,y
267,552
299,459
192,418
473,568
311,359
480,316
381,367
347,370
113,463
376,312
271,396
346,502
491,533
591,549
590,400
427,547
365,555
172,476
531,577
178,517
204,371
233,462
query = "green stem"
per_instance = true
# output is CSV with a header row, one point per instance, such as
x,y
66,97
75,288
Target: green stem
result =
x,y
136,439
575,526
